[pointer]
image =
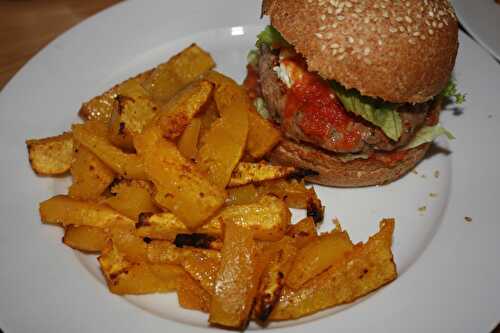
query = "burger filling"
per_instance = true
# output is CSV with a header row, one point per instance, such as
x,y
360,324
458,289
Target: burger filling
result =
x,y
313,110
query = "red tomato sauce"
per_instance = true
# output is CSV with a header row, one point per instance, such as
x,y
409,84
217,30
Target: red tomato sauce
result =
x,y
251,82
322,112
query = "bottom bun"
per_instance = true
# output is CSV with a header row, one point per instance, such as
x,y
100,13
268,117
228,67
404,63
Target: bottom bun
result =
x,y
333,172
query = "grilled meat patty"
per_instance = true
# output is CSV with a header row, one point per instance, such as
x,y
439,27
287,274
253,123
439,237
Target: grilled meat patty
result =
x,y
372,138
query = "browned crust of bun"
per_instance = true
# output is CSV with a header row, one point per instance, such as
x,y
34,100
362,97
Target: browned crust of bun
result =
x,y
400,51
334,172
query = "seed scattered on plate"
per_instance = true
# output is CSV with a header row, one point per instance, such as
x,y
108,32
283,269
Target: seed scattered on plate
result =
x,y
436,174
468,219
422,209
433,195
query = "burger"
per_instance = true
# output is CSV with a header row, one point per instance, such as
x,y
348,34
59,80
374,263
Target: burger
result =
x,y
355,86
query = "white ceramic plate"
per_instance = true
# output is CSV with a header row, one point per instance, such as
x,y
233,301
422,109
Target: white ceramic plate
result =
x,y
448,269
481,18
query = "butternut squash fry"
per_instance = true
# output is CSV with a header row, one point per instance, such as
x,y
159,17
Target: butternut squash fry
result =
x,y
85,238
176,115
188,142
180,188
64,210
246,173
91,177
51,156
224,143
317,256
101,107
237,280
180,70
127,165
368,267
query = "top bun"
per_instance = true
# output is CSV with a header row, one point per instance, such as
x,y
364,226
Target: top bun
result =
x,y
400,51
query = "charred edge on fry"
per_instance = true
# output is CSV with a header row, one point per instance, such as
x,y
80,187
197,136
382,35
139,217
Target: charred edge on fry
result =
x,y
113,183
300,174
202,241
315,210
143,220
121,129
270,298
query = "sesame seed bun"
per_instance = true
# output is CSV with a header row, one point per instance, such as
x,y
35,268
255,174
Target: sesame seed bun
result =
x,y
333,172
400,51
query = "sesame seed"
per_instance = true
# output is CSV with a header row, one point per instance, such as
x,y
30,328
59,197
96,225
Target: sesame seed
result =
x,y
329,35
361,42
431,32
440,25
348,4
350,39
422,37
431,13
401,28
366,51
380,42
434,24
358,10
323,47
340,18
408,19
341,50
412,41
367,61
334,52
330,10
320,36
416,34
385,14
366,20
341,57
334,46
322,17
399,19
393,30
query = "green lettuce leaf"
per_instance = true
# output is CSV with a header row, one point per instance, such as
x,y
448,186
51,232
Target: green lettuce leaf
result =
x,y
428,134
261,107
452,92
271,37
253,57
351,157
381,114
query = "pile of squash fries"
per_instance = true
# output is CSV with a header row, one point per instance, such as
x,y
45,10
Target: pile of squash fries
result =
x,y
170,186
